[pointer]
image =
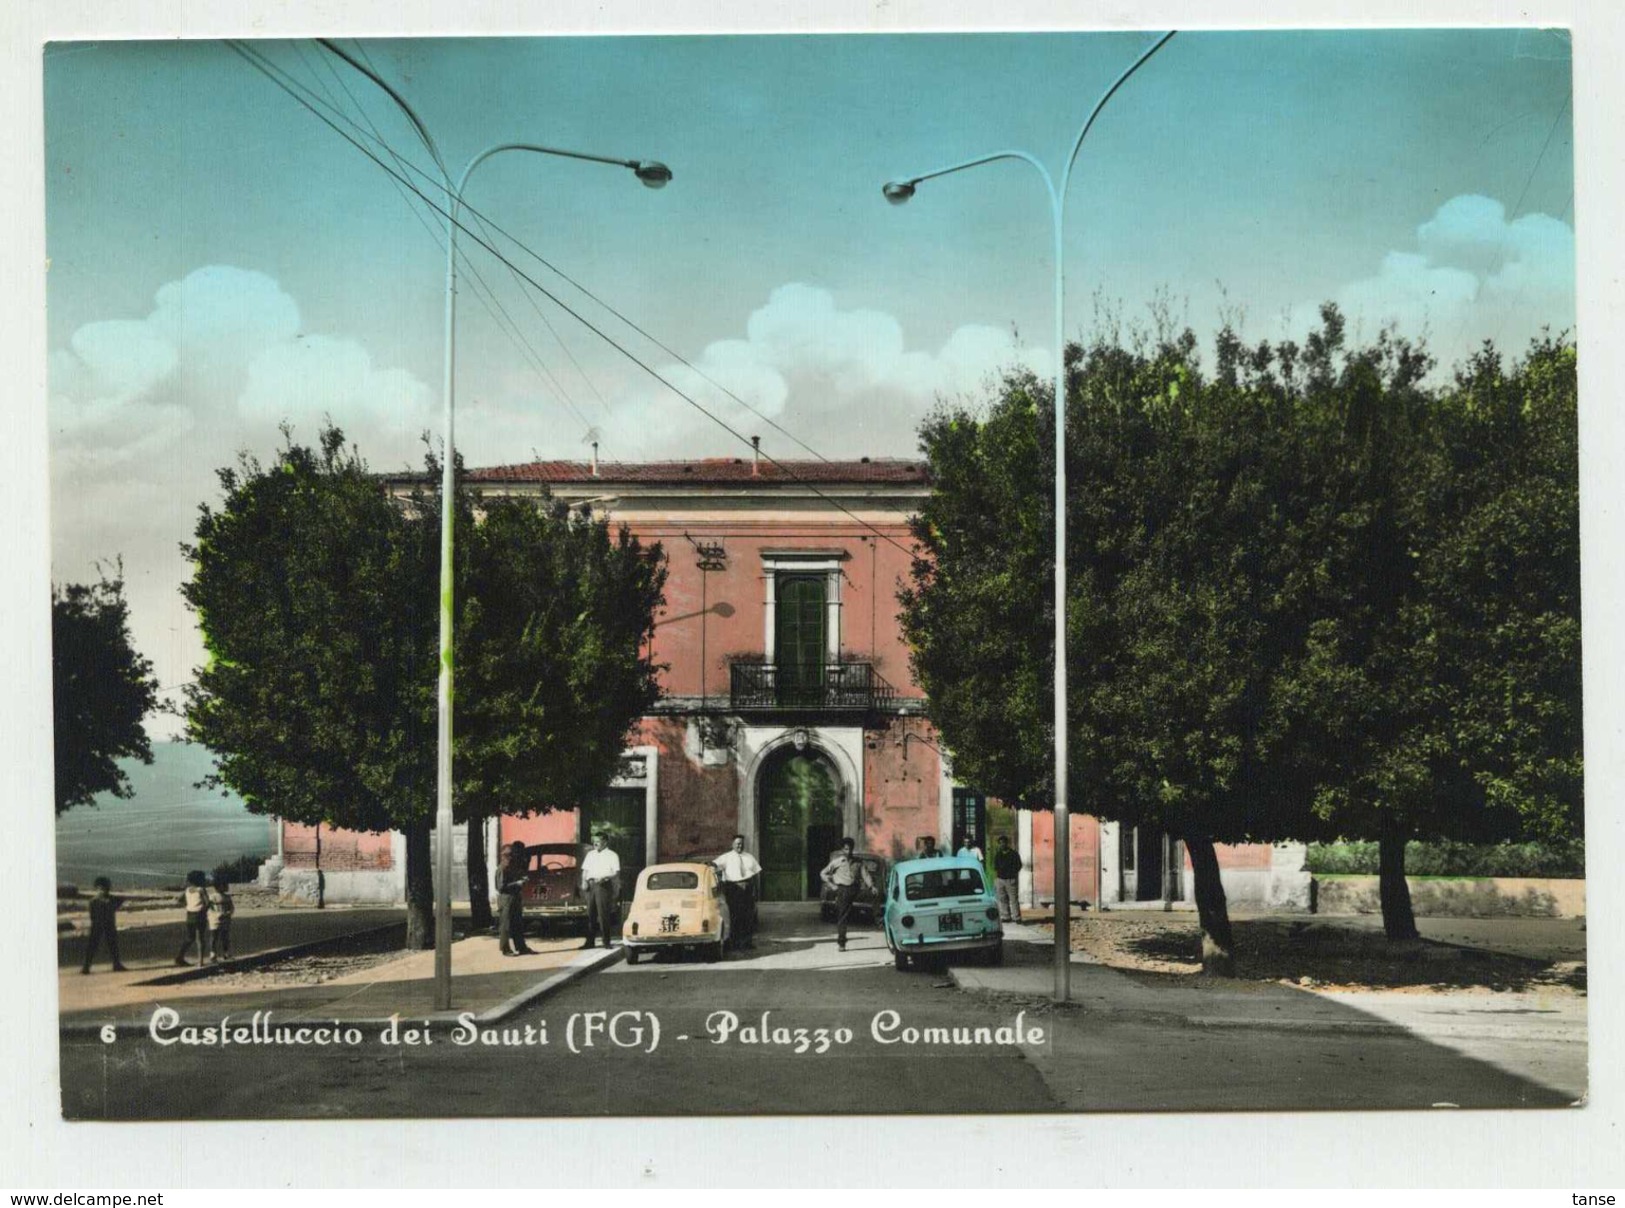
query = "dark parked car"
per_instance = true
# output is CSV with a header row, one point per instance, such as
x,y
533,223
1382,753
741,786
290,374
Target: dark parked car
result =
x,y
869,902
553,884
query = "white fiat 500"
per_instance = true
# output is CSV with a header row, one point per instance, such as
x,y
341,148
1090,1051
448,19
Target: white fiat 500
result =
x,y
677,906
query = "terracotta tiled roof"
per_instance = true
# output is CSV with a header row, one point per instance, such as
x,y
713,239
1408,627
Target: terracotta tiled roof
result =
x,y
715,471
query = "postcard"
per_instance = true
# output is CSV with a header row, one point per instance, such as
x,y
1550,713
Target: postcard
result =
x,y
708,753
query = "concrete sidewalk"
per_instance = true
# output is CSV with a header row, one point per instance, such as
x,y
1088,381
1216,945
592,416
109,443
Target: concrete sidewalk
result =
x,y
152,943
484,983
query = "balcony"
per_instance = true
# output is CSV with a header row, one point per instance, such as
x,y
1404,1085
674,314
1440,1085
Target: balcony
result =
x,y
816,688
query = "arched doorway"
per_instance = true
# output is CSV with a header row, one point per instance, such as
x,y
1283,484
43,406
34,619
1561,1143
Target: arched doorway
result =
x,y
798,803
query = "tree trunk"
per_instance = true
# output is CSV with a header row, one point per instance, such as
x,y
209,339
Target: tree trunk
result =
x,y
479,877
419,886
321,878
1398,919
1218,945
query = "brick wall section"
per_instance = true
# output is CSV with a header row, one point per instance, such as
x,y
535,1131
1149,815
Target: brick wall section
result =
x,y
1240,855
698,805
1085,855
730,605
901,788
342,850
560,826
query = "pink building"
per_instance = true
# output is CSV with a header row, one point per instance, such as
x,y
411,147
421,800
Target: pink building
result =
x,y
789,713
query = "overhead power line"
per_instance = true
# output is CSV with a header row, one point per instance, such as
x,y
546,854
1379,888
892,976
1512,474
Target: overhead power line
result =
x,y
478,238
487,296
444,186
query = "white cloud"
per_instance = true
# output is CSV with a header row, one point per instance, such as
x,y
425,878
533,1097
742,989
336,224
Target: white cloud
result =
x,y
218,363
843,381
1471,276
144,411
307,378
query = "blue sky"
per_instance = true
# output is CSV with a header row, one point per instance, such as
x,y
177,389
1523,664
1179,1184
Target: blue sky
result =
x,y
220,261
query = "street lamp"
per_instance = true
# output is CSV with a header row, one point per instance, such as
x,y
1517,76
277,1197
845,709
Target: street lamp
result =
x,y
898,192
654,175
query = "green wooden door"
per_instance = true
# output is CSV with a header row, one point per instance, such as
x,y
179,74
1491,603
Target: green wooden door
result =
x,y
619,813
798,812
799,639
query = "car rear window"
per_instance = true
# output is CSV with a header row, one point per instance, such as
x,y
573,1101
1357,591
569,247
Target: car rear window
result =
x,y
555,861
673,880
942,883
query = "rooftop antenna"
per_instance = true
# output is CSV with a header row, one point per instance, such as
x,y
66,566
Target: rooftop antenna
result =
x,y
592,436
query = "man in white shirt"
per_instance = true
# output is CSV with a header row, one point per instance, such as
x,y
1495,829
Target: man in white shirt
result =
x,y
739,870
600,881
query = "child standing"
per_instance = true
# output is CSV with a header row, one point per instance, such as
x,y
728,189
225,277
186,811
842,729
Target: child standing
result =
x,y
220,912
103,925
195,897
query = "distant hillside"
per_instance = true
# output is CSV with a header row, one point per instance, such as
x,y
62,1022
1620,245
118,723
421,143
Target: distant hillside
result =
x,y
168,827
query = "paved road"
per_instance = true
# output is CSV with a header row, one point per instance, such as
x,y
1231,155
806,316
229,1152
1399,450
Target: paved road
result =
x,y
1086,1057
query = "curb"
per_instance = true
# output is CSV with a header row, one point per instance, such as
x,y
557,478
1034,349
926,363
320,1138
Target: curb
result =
x,y
255,960
577,968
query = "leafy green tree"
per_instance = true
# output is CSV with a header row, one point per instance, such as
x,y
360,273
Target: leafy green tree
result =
x,y
1502,582
1307,597
317,593
1441,672
1190,522
1359,678
316,598
554,669
977,613
101,689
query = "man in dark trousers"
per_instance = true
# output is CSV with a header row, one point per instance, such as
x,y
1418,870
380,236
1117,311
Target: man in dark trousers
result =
x,y
601,881
739,870
1007,881
511,893
103,925
846,874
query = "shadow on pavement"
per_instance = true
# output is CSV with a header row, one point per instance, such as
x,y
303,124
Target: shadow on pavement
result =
x,y
1148,1042
1316,951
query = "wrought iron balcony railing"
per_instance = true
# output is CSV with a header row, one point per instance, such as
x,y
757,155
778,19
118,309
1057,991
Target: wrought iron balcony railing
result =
x,y
818,687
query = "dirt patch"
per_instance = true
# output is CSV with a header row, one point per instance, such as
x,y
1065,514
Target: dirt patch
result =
x,y
1318,954
313,966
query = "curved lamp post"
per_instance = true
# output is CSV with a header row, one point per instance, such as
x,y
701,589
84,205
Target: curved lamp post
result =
x,y
897,192
654,175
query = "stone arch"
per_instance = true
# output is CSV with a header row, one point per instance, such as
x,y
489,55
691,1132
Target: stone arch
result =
x,y
766,756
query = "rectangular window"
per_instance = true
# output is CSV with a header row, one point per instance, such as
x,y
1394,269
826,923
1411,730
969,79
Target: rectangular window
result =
x,y
970,819
800,637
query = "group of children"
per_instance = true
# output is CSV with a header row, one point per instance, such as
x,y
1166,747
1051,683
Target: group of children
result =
x,y
208,918
208,921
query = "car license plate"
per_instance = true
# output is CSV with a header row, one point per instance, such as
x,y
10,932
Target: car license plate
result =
x,y
951,922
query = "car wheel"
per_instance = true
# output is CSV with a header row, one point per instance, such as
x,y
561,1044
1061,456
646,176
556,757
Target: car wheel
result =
x,y
713,952
900,961
995,954
633,956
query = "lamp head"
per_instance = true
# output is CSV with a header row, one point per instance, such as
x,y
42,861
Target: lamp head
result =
x,y
652,173
897,192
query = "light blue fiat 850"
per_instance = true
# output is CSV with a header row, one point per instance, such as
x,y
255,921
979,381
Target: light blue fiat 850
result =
x,y
938,906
